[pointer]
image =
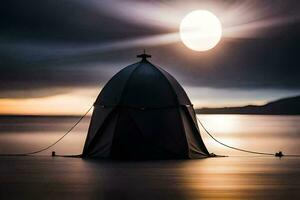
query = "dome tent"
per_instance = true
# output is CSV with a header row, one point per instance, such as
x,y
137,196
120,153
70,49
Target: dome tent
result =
x,y
143,113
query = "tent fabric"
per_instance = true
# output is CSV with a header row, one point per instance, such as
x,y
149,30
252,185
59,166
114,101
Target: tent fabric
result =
x,y
142,85
143,113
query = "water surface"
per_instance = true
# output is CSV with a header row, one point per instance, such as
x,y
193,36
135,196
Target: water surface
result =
x,y
236,177
255,132
214,178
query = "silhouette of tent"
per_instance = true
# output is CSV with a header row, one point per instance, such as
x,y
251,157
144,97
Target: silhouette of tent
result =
x,y
143,113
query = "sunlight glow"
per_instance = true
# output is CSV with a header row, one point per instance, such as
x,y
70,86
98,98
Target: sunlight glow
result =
x,y
221,123
200,30
241,19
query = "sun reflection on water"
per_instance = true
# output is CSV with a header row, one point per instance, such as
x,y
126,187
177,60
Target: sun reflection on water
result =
x,y
260,133
221,123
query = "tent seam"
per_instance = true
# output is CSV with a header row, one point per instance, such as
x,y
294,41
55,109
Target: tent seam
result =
x,y
178,104
126,83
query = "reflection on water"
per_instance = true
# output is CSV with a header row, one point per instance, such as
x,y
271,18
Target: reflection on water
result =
x,y
26,134
213,178
254,132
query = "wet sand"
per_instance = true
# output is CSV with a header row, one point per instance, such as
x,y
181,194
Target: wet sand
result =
x,y
45,177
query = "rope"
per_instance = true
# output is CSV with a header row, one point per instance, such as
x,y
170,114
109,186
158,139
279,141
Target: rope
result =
x,y
231,147
51,145
279,154
206,131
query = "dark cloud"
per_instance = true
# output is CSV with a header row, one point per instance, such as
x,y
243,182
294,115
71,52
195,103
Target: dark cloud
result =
x,y
63,20
252,63
46,46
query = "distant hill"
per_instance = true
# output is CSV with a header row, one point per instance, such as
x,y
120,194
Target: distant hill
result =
x,y
286,106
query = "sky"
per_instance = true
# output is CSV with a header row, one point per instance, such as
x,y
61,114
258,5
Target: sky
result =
x,y
55,56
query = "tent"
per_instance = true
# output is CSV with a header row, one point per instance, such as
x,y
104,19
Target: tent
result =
x,y
143,113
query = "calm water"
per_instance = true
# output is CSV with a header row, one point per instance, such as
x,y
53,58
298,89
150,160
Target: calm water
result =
x,y
254,132
236,177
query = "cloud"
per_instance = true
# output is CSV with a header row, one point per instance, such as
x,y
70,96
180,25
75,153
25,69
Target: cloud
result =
x,y
50,47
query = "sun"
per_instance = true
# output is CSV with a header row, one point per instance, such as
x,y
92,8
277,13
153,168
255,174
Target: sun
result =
x,y
200,30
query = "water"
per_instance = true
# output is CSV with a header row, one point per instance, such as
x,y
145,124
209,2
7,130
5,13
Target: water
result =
x,y
236,177
254,132
264,133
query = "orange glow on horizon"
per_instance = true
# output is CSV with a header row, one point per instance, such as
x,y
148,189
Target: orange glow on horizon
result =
x,y
220,103
72,104
76,102
65,104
